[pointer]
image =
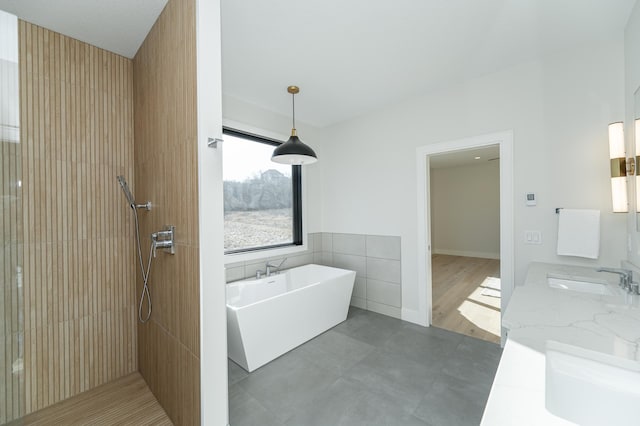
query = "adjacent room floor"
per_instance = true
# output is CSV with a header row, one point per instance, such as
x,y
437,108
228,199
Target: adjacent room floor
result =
x,y
466,295
125,401
369,370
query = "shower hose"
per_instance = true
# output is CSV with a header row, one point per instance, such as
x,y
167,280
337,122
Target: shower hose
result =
x,y
145,273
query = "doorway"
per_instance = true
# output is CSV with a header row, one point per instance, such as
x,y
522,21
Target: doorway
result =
x,y
424,155
464,193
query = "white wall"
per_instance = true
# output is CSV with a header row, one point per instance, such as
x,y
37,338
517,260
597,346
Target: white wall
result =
x,y
465,210
558,108
632,82
213,312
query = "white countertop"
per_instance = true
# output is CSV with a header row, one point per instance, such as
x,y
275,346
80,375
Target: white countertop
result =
x,y
537,313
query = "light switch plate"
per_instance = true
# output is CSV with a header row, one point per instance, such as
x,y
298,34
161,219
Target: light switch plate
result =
x,y
533,237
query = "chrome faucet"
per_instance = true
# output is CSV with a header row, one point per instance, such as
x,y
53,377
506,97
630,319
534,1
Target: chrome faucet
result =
x,y
270,267
626,278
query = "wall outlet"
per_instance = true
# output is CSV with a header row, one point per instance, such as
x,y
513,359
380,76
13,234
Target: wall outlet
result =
x,y
532,237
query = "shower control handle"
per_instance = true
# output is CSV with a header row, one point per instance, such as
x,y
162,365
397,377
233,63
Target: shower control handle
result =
x,y
164,240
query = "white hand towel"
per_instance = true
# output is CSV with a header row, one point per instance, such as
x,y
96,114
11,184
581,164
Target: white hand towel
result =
x,y
579,233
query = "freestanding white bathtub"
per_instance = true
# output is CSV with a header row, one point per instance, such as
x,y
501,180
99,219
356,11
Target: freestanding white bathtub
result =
x,y
270,316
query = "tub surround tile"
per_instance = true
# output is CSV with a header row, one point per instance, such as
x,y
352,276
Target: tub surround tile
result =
x,y
327,258
327,241
234,274
299,260
354,244
317,242
383,247
383,292
351,262
360,288
384,270
358,302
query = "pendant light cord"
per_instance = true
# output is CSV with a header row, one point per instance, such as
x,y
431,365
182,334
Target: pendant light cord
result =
x,y
293,102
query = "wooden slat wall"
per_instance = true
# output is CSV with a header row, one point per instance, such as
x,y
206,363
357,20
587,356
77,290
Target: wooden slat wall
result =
x,y
79,292
166,174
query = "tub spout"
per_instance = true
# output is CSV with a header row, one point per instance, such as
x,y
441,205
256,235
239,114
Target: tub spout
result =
x,y
274,269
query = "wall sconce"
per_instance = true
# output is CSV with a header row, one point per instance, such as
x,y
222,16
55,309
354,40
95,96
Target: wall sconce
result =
x,y
637,144
619,168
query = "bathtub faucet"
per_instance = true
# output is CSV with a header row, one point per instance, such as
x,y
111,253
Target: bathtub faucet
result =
x,y
274,269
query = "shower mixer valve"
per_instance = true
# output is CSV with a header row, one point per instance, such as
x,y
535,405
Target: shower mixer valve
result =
x,y
164,240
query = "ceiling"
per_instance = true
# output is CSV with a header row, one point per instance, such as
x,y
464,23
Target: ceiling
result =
x,y
350,57
119,26
465,157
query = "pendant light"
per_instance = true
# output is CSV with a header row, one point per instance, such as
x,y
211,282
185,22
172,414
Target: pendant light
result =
x,y
293,151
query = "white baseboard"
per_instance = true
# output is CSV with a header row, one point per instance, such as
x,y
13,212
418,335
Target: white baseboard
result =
x,y
413,316
463,253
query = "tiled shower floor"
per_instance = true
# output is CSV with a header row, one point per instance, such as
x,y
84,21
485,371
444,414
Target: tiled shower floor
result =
x,y
369,370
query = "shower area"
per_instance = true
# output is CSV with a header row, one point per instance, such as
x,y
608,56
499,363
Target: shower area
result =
x,y
76,310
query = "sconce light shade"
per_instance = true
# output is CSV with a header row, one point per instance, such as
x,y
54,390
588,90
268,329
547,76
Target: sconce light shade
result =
x,y
637,144
293,151
618,168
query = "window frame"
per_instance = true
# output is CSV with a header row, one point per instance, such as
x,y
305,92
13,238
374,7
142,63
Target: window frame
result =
x,y
296,191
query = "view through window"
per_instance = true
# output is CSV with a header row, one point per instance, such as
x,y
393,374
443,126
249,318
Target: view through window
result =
x,y
259,195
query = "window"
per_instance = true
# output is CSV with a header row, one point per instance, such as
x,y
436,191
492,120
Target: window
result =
x,y
262,199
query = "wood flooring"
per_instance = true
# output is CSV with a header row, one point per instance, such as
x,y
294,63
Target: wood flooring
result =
x,y
462,299
125,401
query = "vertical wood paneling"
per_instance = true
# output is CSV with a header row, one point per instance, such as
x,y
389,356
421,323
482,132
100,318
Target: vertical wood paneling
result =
x,y
166,174
79,270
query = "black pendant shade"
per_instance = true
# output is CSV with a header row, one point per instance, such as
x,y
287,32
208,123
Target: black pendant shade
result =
x,y
293,151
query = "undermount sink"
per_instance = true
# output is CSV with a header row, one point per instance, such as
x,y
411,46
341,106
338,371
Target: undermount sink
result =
x,y
591,388
580,285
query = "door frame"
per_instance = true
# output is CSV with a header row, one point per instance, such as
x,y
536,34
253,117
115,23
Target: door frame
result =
x,y
505,141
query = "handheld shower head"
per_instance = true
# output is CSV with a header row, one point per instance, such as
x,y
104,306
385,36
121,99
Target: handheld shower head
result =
x,y
127,192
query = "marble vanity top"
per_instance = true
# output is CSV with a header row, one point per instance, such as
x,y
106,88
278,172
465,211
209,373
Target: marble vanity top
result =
x,y
537,313
605,323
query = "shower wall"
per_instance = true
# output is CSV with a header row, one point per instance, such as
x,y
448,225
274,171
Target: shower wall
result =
x,y
166,174
78,272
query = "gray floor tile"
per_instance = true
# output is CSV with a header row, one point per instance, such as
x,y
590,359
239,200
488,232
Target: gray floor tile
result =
x,y
369,327
236,373
287,383
244,410
369,370
335,352
349,403
429,346
452,401
402,380
475,361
